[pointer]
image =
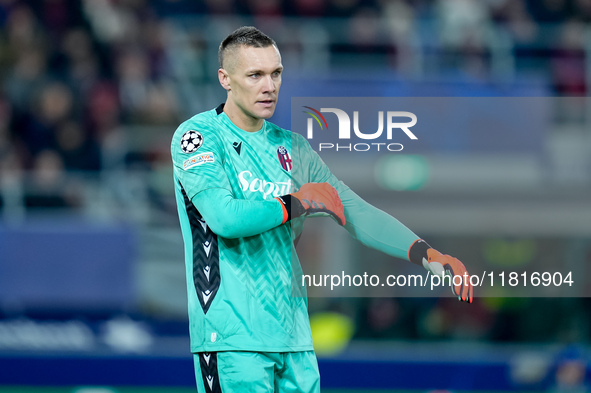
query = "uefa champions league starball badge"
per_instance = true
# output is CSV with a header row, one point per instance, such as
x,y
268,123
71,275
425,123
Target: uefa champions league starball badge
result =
x,y
191,141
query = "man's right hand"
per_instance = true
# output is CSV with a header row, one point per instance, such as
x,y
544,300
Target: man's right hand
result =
x,y
315,198
321,198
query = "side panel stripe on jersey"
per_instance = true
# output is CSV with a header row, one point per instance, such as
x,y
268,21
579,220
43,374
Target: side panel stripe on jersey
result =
x,y
206,258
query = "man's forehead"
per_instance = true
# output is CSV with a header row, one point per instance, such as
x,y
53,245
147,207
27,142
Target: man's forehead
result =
x,y
248,57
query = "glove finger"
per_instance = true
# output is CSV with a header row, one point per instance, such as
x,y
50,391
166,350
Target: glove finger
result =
x,y
306,203
460,288
340,218
435,268
321,197
466,287
326,199
337,212
336,208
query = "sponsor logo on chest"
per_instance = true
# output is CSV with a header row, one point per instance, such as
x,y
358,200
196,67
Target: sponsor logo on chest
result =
x,y
250,183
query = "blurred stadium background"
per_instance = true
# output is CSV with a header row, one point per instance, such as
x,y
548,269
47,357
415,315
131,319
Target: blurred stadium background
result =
x,y
92,286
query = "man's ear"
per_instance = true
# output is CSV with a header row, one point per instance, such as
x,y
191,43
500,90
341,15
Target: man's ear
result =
x,y
224,79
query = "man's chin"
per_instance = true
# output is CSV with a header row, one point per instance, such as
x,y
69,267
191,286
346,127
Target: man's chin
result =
x,y
266,113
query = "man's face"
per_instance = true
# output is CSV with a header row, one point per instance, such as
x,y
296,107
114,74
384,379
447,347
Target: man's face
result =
x,y
252,77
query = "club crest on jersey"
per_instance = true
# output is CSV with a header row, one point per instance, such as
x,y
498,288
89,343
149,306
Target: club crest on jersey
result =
x,y
191,141
284,158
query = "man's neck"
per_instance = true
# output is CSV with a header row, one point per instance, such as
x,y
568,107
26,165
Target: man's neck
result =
x,y
241,120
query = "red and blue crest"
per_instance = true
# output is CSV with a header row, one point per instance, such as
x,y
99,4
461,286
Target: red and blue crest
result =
x,y
284,158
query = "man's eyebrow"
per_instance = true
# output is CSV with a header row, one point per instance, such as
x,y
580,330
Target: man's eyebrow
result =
x,y
259,71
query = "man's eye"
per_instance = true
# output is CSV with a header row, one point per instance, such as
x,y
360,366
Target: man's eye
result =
x,y
255,75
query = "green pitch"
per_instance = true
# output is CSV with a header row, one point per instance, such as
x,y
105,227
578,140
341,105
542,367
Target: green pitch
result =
x,y
147,390
102,389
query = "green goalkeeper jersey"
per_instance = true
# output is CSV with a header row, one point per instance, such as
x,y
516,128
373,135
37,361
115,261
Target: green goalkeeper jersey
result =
x,y
242,279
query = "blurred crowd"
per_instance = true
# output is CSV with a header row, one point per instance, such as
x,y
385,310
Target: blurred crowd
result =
x,y
73,73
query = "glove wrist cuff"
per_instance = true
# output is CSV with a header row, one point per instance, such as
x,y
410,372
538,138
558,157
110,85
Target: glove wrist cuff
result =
x,y
418,251
292,207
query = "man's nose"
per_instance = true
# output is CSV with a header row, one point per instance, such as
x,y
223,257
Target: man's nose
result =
x,y
269,85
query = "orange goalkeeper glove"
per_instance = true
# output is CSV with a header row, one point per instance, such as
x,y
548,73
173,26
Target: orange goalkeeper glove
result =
x,y
313,198
439,264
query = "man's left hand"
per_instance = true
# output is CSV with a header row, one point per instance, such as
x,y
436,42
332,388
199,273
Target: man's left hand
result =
x,y
439,264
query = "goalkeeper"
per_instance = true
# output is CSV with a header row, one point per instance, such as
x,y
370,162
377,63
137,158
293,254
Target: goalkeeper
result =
x,y
244,187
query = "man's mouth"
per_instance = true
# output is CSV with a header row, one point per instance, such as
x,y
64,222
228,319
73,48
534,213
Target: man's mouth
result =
x,y
266,103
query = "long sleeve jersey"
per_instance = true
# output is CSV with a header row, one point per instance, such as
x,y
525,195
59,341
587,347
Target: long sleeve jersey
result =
x,y
241,265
